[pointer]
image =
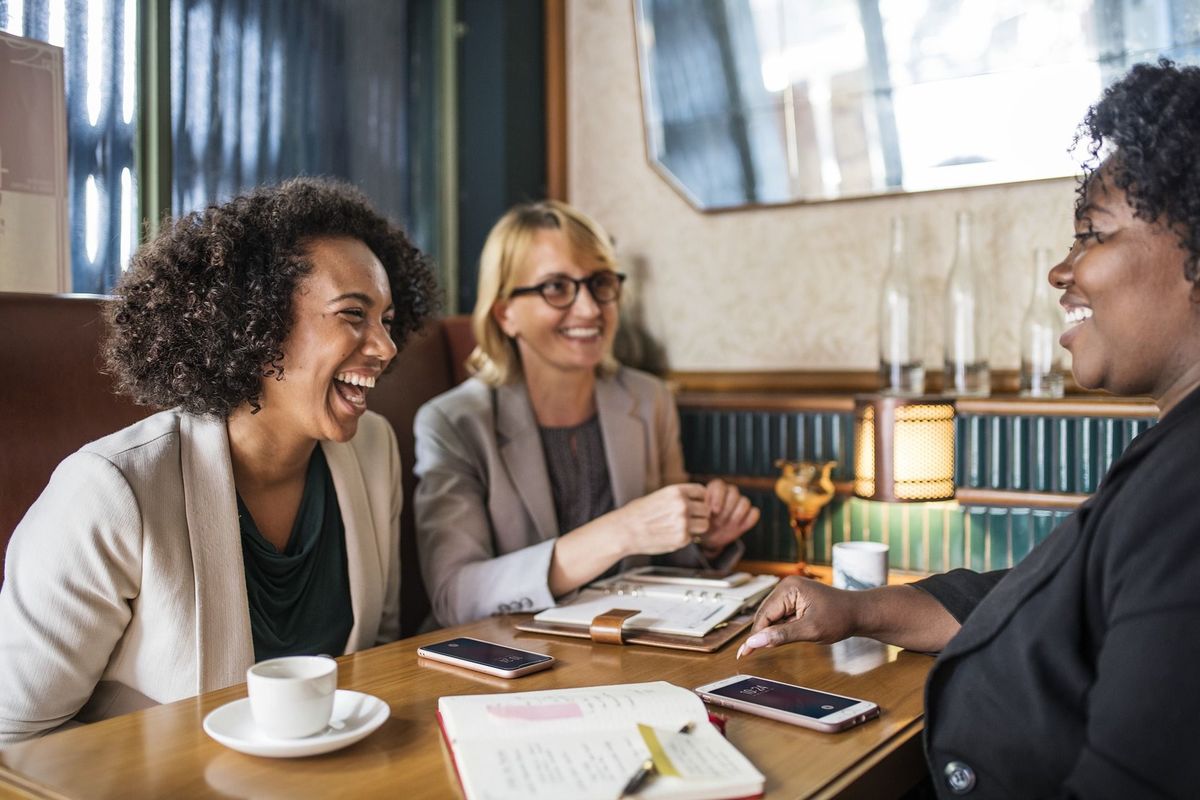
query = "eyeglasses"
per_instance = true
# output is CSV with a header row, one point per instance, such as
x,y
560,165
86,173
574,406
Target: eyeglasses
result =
x,y
561,291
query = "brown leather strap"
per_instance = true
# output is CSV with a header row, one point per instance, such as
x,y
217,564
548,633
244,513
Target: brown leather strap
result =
x,y
606,628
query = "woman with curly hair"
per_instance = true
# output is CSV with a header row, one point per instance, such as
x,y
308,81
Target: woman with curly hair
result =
x,y
554,463
259,515
1075,674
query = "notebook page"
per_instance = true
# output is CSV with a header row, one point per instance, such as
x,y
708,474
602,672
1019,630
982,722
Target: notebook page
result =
x,y
597,765
703,758
561,711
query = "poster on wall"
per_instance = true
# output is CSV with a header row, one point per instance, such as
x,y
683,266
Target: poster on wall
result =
x,y
34,243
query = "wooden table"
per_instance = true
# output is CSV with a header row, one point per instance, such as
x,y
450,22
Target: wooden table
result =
x,y
163,752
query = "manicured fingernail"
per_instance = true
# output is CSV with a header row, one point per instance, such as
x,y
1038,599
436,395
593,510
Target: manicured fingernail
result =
x,y
757,640
740,651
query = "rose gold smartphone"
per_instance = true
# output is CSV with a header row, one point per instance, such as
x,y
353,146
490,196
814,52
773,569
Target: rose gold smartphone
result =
x,y
481,656
789,703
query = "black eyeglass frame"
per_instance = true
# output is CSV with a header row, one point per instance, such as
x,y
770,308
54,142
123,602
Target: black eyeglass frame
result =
x,y
589,282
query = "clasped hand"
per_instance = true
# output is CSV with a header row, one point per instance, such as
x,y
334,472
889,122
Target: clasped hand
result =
x,y
674,516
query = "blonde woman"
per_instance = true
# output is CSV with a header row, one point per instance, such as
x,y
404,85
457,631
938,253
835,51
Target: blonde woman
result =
x,y
554,464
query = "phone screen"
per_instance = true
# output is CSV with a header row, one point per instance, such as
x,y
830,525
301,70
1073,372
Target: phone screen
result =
x,y
784,697
486,653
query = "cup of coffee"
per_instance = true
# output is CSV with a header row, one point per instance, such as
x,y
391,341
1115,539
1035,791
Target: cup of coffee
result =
x,y
292,697
860,565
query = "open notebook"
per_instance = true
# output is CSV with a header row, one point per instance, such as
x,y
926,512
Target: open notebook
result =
x,y
664,608
586,743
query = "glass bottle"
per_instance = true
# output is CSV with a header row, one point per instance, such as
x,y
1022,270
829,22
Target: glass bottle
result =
x,y
900,323
966,337
1041,355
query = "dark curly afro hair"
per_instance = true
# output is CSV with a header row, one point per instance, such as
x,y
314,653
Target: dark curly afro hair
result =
x,y
1145,133
200,318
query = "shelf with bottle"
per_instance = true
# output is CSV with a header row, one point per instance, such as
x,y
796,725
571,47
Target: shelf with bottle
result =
x,y
901,346
1041,325
966,340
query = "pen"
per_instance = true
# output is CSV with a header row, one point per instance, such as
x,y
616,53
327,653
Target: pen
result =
x,y
646,769
639,778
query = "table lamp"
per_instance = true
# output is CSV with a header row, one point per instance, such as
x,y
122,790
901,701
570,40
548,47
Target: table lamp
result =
x,y
903,448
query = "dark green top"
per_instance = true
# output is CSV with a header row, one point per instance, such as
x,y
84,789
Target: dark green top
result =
x,y
300,598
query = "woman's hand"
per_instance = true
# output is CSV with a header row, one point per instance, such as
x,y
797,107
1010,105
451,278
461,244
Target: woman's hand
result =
x,y
661,522
731,515
665,520
803,610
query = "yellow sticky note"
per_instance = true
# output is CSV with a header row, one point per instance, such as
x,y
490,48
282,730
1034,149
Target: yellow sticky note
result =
x,y
662,762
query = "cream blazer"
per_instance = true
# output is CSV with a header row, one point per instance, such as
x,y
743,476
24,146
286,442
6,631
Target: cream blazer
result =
x,y
486,524
124,584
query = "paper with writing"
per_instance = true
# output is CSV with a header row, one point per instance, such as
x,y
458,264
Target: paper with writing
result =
x,y
585,743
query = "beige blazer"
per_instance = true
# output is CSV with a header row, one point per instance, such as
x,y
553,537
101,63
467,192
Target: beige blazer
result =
x,y
486,524
124,584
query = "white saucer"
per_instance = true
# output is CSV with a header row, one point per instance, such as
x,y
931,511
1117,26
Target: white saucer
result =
x,y
355,716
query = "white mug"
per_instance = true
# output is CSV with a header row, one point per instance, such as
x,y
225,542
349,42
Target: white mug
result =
x,y
292,697
860,565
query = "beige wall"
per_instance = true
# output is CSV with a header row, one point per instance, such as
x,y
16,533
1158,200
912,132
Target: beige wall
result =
x,y
787,288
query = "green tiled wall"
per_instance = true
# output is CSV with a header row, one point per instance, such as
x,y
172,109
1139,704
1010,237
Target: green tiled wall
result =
x,y
1039,454
1025,453
748,442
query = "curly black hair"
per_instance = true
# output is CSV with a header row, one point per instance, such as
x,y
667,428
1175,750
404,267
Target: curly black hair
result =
x,y
1145,132
200,318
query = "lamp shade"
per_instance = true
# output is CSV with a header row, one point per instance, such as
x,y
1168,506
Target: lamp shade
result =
x,y
903,448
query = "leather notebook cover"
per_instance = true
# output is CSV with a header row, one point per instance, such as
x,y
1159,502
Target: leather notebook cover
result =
x,y
709,643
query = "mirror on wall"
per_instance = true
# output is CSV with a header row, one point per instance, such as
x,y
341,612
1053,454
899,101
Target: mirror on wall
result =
x,y
750,102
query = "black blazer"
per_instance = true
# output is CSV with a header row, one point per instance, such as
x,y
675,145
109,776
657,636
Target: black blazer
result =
x,y
1077,673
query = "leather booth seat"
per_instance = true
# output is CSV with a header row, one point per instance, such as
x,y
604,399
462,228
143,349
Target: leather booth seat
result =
x,y
54,399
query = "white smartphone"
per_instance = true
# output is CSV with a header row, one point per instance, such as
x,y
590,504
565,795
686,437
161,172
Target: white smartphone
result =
x,y
789,703
686,576
481,656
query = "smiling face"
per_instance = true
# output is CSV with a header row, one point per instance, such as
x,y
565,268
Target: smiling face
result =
x,y
1132,321
562,340
339,344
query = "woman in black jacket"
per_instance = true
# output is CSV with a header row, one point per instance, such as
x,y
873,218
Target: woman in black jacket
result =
x,y
1077,673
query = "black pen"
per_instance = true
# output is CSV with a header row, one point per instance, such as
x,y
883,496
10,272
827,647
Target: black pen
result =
x,y
635,783
646,769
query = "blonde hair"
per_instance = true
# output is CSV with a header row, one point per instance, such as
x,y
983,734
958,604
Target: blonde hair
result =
x,y
495,359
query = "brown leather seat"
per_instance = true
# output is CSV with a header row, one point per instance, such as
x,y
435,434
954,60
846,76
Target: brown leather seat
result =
x,y
423,370
54,399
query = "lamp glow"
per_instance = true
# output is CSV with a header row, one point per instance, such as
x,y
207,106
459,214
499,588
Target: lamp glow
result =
x,y
903,448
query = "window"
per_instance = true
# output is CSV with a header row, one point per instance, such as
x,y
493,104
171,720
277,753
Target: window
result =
x,y
264,91
260,91
98,38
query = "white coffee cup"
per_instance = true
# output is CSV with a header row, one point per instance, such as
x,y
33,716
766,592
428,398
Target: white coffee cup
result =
x,y
292,697
860,565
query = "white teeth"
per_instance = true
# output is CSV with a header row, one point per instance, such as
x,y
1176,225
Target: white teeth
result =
x,y
1077,314
581,333
356,380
